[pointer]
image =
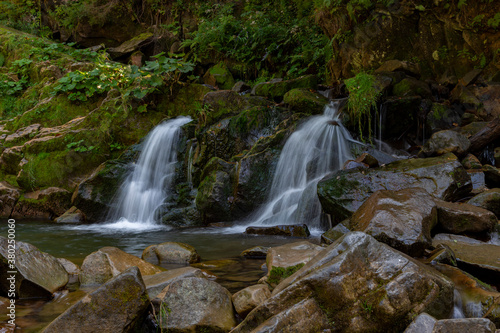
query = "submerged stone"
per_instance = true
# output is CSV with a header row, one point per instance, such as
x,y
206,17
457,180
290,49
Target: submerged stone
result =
x,y
171,253
280,230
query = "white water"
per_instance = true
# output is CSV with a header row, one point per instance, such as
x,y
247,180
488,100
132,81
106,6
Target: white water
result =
x,y
318,147
147,187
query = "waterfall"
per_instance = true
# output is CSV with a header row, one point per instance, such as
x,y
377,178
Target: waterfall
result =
x,y
318,147
148,185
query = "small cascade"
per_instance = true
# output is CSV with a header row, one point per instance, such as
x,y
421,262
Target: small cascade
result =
x,y
146,188
318,147
458,308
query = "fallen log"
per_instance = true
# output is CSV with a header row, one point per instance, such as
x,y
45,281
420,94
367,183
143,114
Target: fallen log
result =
x,y
488,134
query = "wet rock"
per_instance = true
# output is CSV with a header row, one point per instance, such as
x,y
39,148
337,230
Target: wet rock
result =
x,y
219,76
9,195
442,254
256,252
38,273
247,299
458,218
479,255
411,87
108,262
471,162
399,66
156,283
22,134
70,267
489,200
367,159
116,306
46,204
10,159
343,192
335,233
441,117
280,230
276,90
444,142
131,45
72,215
362,285
479,325
424,323
195,304
402,219
489,97
240,87
454,238
95,193
472,128
491,176
304,100
223,104
182,217
354,165
291,254
171,253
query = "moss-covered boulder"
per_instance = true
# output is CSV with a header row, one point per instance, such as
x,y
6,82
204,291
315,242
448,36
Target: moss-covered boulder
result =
x,y
219,76
46,204
117,306
444,142
489,200
38,273
343,192
276,90
94,194
215,193
223,104
411,87
351,288
441,117
304,100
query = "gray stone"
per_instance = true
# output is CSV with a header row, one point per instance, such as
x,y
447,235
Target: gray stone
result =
x,y
156,283
171,253
70,267
247,299
476,325
489,200
193,304
335,233
38,273
291,254
72,215
117,306
446,141
424,323
8,198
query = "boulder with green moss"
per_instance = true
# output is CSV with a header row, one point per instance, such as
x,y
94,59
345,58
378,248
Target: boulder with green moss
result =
x,y
489,200
276,90
343,192
411,87
219,76
304,100
9,195
46,204
222,104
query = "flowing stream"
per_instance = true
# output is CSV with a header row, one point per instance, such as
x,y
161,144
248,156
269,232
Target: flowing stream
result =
x,y
318,147
147,187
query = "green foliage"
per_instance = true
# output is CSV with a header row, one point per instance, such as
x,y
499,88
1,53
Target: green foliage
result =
x,y
24,15
494,22
278,274
272,35
362,97
80,147
129,80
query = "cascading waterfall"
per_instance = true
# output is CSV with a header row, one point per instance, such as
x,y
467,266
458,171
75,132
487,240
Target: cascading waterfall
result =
x,y
318,147
147,187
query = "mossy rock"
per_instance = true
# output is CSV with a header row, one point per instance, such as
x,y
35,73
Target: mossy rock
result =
x,y
411,87
183,100
223,104
276,90
219,76
214,197
304,100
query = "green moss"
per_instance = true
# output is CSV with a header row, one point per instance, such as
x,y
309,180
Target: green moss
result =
x,y
438,111
277,274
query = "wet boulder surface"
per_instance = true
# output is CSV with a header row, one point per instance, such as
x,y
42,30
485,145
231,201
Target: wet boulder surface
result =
x,y
357,284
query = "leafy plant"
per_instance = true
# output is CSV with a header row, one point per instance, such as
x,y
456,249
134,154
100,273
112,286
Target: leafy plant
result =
x,y
80,147
363,97
278,274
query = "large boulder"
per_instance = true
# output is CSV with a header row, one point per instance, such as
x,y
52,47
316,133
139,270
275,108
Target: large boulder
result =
x,y
219,76
193,304
72,215
8,198
458,218
446,141
357,284
38,273
108,262
402,219
304,100
171,253
343,192
291,254
117,306
411,87
46,204
156,283
95,193
247,299
489,200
